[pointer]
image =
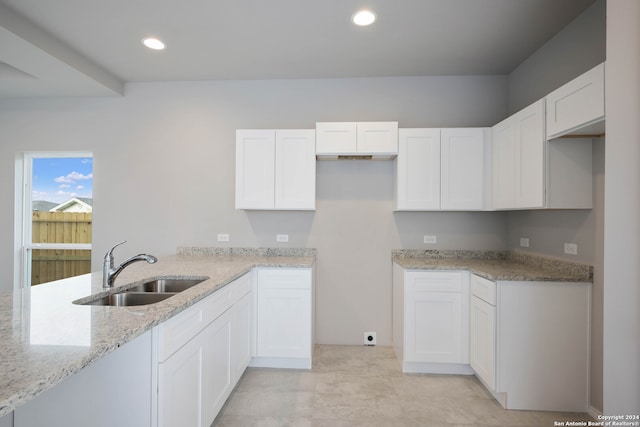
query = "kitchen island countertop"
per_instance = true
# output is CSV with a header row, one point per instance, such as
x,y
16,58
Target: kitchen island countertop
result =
x,y
46,338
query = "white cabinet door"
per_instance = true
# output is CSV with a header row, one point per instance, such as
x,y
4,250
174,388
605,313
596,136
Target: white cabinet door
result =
x,y
336,138
518,150
576,106
377,137
530,154
241,336
418,170
295,169
255,169
482,342
436,317
284,317
217,376
275,169
462,169
180,393
503,152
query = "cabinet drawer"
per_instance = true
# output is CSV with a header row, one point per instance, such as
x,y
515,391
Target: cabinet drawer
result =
x,y
295,278
177,331
483,289
435,281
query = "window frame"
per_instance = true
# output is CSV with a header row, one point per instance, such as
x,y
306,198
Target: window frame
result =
x,y
23,202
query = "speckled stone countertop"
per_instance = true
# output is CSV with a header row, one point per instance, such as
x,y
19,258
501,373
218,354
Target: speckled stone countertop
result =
x,y
46,338
496,265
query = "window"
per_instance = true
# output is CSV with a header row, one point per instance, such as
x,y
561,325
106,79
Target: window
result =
x,y
54,209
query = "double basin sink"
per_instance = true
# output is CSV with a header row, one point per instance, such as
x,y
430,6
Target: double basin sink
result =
x,y
146,293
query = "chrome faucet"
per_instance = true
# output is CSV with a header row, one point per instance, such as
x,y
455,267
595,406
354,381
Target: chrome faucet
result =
x,y
110,272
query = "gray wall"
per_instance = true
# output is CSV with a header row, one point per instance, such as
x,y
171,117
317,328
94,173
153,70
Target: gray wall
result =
x,y
577,48
622,211
164,176
580,46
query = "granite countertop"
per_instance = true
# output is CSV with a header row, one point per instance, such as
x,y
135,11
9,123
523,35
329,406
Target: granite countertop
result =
x,y
46,338
496,265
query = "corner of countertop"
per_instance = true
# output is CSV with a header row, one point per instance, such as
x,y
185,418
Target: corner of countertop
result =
x,y
548,263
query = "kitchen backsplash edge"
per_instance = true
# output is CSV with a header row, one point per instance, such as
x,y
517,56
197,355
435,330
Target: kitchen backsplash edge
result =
x,y
212,250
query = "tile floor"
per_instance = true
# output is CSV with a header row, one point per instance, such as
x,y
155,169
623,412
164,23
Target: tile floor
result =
x,y
363,386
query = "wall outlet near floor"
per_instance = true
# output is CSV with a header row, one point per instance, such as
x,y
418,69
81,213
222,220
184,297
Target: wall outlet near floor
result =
x,y
524,242
571,248
369,338
223,237
282,238
430,239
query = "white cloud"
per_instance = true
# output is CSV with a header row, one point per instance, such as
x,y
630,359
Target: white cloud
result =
x,y
64,186
80,187
72,178
39,195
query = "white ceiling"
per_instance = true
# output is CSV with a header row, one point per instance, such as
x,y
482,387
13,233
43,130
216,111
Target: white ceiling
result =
x,y
92,47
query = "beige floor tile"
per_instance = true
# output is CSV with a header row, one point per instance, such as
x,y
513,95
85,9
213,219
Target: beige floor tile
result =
x,y
355,386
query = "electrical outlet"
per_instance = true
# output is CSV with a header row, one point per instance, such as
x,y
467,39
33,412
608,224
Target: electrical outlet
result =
x,y
282,238
223,237
571,248
430,239
524,242
369,338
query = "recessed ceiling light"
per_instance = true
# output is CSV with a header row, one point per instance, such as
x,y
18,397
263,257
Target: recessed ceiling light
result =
x,y
363,18
153,43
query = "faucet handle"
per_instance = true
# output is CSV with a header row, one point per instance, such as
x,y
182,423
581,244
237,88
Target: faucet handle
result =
x,y
109,255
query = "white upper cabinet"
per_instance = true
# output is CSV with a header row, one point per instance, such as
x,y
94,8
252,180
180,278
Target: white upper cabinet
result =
x,y
295,171
438,169
518,159
530,172
418,170
377,139
275,169
577,108
255,169
464,169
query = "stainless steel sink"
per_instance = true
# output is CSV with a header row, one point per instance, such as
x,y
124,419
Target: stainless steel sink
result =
x,y
166,285
131,298
149,292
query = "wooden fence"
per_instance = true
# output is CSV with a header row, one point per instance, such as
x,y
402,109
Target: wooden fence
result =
x,y
60,227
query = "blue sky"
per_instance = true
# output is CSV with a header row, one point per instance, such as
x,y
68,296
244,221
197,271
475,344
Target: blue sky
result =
x,y
59,179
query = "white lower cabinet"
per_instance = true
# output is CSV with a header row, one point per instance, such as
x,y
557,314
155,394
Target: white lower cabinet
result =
x,y
201,353
529,343
284,313
482,331
431,321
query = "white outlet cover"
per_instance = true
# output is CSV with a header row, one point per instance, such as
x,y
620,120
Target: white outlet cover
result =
x,y
282,238
223,237
430,239
369,338
571,248
524,242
